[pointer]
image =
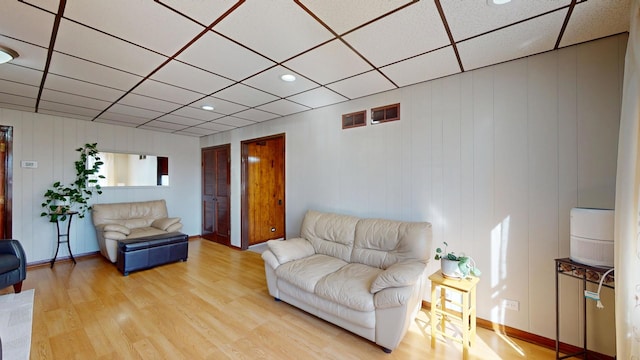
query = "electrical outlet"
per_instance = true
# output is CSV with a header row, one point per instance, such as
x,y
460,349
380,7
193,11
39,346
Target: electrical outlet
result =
x,y
511,304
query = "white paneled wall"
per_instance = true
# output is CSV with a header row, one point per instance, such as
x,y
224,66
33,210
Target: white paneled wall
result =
x,y
52,140
494,158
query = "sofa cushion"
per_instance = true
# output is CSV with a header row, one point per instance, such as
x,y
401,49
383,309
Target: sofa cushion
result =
x,y
305,273
291,249
330,234
349,286
382,243
144,231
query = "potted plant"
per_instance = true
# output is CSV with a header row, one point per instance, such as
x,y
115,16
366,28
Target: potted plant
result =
x,y
456,266
59,199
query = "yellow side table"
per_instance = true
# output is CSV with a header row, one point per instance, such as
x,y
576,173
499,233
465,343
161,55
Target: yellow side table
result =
x,y
440,313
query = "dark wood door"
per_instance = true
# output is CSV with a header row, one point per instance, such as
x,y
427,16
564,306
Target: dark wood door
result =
x,y
263,214
216,220
6,161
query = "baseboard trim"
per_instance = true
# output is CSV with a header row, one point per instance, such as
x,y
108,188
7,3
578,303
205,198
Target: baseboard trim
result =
x,y
531,338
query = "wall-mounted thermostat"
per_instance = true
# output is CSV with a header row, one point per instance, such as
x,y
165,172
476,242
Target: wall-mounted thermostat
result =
x,y
29,164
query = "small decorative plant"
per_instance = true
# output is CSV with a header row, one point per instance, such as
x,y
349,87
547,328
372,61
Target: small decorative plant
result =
x,y
59,199
466,265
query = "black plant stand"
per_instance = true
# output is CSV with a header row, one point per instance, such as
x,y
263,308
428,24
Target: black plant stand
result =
x,y
64,236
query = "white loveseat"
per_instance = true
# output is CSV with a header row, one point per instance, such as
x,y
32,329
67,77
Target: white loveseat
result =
x,y
130,220
364,275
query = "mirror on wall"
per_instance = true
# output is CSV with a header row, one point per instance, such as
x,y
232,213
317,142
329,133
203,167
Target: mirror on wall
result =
x,y
122,169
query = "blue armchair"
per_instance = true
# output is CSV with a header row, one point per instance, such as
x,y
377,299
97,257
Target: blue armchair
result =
x,y
13,264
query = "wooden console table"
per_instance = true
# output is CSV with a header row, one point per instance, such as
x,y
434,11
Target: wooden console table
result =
x,y
588,274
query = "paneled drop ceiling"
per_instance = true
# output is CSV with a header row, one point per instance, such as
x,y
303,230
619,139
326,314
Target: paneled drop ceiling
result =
x,y
152,64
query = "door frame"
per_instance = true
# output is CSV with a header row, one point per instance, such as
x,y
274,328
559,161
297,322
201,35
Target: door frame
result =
x,y
244,174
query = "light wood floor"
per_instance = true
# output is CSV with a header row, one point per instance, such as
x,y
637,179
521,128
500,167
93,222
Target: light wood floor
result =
x,y
214,306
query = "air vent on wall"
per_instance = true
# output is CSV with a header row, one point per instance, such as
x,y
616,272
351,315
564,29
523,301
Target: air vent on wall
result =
x,y
385,113
354,119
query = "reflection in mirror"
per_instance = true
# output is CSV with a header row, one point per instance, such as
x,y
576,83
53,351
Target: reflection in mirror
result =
x,y
133,170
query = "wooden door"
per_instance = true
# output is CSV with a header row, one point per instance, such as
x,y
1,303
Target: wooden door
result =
x,y
216,220
6,161
263,197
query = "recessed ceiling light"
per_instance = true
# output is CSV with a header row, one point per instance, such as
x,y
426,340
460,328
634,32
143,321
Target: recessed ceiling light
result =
x,y
207,107
7,54
288,78
498,2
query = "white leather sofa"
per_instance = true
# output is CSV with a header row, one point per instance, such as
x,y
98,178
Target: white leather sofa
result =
x,y
364,275
131,220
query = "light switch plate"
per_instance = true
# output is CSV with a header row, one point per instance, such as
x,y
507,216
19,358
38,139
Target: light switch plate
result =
x,y
29,164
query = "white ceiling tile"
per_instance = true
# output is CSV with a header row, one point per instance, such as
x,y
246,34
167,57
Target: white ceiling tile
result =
x,y
205,12
195,113
72,86
69,109
214,53
242,94
270,81
189,77
164,125
180,120
425,67
283,107
595,19
75,100
365,84
317,98
221,106
65,114
195,131
25,22
155,128
226,123
471,18
511,43
342,16
123,119
20,89
160,29
17,100
134,111
256,115
150,103
328,63
277,29
413,30
103,49
90,72
166,92
9,71
31,56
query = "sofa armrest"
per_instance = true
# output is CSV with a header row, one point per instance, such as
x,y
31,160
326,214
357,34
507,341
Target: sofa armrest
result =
x,y
398,275
392,297
116,228
291,249
165,223
270,259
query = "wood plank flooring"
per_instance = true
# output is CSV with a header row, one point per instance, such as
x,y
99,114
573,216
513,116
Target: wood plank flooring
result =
x,y
213,306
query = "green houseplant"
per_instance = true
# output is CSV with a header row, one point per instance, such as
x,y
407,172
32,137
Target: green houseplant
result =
x,y
59,199
456,266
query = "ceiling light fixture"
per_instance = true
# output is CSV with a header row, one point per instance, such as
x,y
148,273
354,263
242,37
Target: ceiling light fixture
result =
x,y
498,2
7,54
288,78
207,107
